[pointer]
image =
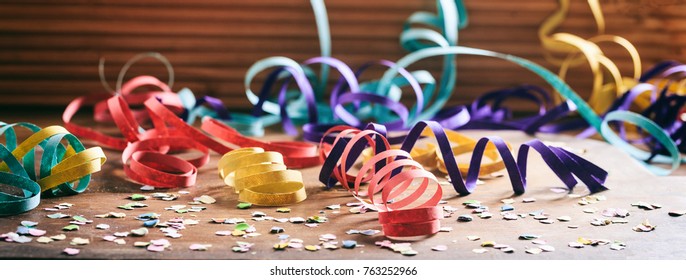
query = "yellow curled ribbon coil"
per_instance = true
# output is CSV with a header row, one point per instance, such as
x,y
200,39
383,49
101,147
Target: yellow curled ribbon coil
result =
x,y
261,177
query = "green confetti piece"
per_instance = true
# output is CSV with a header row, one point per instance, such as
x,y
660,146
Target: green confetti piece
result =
x,y
71,228
242,226
80,219
471,201
137,197
244,205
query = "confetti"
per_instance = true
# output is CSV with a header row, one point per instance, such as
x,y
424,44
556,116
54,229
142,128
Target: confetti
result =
x,y
317,219
312,248
244,205
147,188
14,237
120,241
547,248
510,217
121,234
79,241
237,232
480,251
297,220
528,236
564,218
283,210
132,205
36,232
112,215
71,228
58,216
206,199
409,252
600,222
29,224
150,223
485,215
445,229
44,240
576,245
58,237
184,192
439,248
644,227
109,238
534,251
529,200
473,237
508,250
677,213
488,244
276,230
349,244
242,226
617,246
589,210
199,247
573,226
464,218
258,214
280,246
71,251
546,221
139,232
102,226
327,237
155,248
506,207
508,201
141,244
223,233
137,197
334,207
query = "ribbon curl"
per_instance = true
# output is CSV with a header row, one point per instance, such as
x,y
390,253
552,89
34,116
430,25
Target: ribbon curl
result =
x,y
64,169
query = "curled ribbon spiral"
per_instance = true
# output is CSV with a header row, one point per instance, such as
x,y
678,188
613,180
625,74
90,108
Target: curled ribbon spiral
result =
x,y
261,177
64,169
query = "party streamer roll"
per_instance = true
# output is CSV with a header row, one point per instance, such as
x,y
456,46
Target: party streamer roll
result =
x,y
414,191
64,168
261,177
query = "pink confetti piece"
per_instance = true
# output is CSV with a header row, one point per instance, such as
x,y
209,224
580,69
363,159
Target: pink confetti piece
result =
x,y
109,238
160,242
36,232
155,248
71,251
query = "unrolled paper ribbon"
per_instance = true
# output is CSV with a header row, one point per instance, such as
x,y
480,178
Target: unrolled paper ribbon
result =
x,y
260,177
146,153
64,169
392,171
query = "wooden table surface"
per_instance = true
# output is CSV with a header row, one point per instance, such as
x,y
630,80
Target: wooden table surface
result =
x,y
628,183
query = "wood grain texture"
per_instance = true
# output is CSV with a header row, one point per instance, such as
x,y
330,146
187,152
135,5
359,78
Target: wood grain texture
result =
x,y
49,50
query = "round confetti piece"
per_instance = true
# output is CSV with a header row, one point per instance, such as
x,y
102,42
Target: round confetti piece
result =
x,y
155,248
139,232
102,226
534,251
79,241
311,248
439,248
36,232
58,237
44,240
409,252
349,244
242,226
547,248
71,251
29,224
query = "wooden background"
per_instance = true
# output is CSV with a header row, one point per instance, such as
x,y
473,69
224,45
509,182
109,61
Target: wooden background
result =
x,y
49,50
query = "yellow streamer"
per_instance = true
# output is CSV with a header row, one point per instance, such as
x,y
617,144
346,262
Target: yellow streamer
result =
x,y
261,178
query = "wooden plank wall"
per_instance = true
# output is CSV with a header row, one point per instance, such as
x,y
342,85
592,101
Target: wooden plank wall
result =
x,y
49,50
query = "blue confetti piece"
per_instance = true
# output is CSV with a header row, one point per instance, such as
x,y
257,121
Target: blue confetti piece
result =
x,y
349,244
506,207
